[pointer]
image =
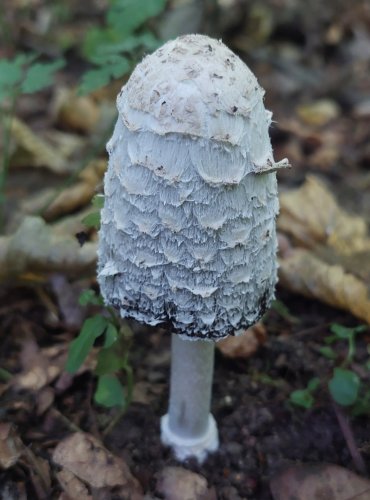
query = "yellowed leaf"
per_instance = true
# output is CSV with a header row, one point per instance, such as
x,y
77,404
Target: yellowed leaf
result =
x,y
75,112
71,198
318,113
36,151
79,194
244,345
39,247
310,215
304,273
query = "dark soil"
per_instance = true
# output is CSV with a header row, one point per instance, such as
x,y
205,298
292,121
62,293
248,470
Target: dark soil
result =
x,y
259,430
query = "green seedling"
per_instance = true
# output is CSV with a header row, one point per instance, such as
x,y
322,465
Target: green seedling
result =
x,y
113,355
23,74
114,49
344,385
305,397
340,332
283,311
93,219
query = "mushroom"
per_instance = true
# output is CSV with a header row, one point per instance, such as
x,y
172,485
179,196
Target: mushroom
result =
x,y
188,225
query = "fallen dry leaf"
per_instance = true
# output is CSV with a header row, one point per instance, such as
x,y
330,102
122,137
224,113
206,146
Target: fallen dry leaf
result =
x,y
70,199
310,215
39,368
146,392
318,113
325,252
72,486
12,451
244,345
80,113
79,194
319,482
33,151
85,457
45,398
302,272
10,446
41,248
177,483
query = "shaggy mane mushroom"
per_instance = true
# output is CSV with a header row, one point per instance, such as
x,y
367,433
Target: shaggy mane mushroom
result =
x,y
188,225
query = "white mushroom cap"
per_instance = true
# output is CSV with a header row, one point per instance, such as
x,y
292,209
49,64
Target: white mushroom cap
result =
x,y
188,226
210,86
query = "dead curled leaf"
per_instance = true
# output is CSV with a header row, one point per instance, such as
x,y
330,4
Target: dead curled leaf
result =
x,y
177,483
75,112
68,200
319,482
39,368
39,247
10,446
86,458
38,152
79,194
327,242
72,486
310,215
302,272
244,345
318,113
12,451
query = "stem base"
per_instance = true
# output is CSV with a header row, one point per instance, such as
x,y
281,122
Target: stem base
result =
x,y
184,448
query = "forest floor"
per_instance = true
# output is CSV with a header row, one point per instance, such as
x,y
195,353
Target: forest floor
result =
x,y
55,441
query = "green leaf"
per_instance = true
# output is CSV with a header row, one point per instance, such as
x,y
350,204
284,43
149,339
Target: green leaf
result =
x,y
110,392
120,67
109,361
90,297
302,398
94,79
330,339
92,220
313,384
98,201
125,16
343,332
328,352
10,75
81,346
362,405
283,311
344,386
96,38
111,335
40,76
127,45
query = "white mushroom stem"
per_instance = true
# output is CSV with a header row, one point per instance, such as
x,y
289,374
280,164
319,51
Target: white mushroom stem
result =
x,y
188,427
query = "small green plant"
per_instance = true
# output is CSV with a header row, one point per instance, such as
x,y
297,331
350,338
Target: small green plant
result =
x,y
114,48
305,397
113,355
23,74
93,219
344,385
